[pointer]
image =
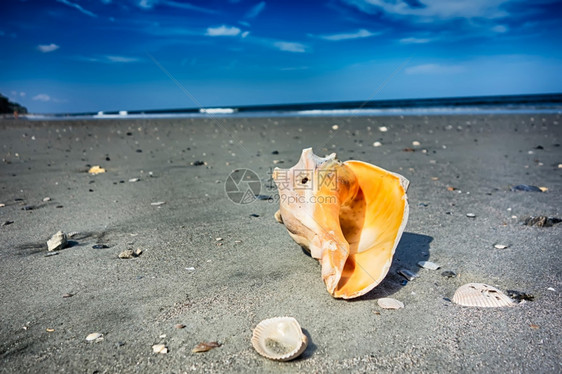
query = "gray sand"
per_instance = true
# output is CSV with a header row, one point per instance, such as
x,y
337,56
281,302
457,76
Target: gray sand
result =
x,y
256,271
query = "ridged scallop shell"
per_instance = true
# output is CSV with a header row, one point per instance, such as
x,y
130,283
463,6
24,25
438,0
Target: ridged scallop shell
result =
x,y
481,295
279,339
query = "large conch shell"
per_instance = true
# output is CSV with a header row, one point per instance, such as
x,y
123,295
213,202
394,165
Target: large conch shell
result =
x,y
349,215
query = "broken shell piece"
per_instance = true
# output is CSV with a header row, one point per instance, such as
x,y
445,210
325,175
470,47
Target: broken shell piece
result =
x,y
94,336
160,348
96,170
349,215
501,246
205,346
57,241
279,339
390,303
481,295
428,265
407,274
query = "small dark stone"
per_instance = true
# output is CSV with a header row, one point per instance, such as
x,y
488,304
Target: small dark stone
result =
x,y
541,221
254,215
18,199
423,204
107,159
526,188
129,133
6,223
519,296
59,206
539,147
447,299
198,163
275,152
448,274
139,150
409,150
91,190
264,197
28,207
403,282
99,246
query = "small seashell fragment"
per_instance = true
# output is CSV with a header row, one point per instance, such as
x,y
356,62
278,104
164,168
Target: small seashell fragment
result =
x,y
158,203
481,295
45,199
448,274
205,346
50,329
383,129
160,348
279,339
428,265
129,253
390,303
377,144
179,326
335,127
96,170
471,215
407,274
415,143
94,336
133,180
57,241
501,246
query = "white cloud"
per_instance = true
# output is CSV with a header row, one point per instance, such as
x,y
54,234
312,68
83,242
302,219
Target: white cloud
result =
x,y
46,48
42,97
76,6
149,4
245,34
435,69
223,31
444,9
290,47
121,59
359,34
255,10
500,29
414,40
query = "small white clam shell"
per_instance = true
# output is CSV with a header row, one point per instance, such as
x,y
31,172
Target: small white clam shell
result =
x,y
279,339
481,295
390,303
94,336
428,265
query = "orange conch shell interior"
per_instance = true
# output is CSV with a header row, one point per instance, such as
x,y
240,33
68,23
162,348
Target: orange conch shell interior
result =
x,y
348,215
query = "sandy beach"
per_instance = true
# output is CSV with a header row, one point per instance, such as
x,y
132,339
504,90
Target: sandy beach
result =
x,y
219,268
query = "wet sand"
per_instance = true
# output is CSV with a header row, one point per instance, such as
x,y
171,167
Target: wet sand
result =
x,y
464,164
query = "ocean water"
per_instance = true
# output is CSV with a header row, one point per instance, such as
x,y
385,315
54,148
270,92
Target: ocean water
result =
x,y
529,104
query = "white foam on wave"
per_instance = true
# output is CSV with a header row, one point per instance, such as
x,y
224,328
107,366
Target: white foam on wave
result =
x,y
218,110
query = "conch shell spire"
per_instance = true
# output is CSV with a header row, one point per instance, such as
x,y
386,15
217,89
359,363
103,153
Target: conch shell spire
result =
x,y
349,215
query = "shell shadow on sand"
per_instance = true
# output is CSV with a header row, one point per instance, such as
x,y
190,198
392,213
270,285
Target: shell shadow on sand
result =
x,y
411,249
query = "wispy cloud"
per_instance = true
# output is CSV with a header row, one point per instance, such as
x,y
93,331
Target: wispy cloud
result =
x,y
346,36
78,7
46,48
290,46
121,59
256,10
444,9
435,69
108,59
223,31
500,29
42,97
149,4
414,40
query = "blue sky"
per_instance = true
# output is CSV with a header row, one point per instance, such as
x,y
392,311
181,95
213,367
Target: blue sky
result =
x,y
100,55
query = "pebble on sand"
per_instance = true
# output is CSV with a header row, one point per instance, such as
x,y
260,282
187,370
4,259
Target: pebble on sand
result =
x,y
129,253
335,127
383,129
471,215
205,346
377,144
428,265
57,242
501,246
95,336
160,348
390,303
96,170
